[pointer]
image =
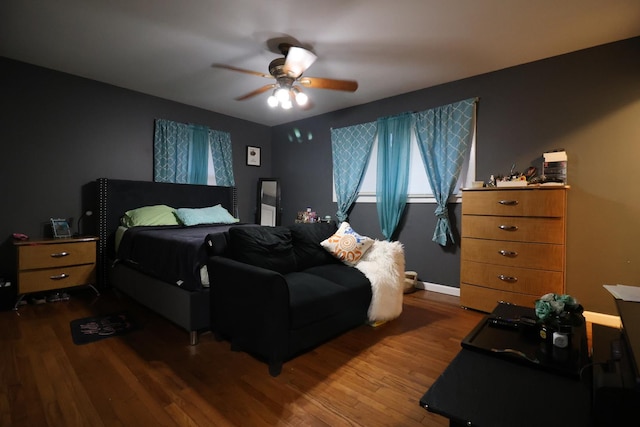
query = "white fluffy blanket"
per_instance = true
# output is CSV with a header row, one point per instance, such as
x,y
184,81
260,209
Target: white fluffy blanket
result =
x,y
383,264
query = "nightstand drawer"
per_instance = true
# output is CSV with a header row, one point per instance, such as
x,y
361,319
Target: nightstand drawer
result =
x,y
56,255
536,203
515,254
515,228
55,278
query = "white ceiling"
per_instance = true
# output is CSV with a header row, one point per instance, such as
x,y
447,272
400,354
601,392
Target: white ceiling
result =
x,y
166,48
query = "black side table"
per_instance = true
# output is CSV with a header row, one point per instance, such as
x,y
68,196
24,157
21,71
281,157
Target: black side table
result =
x,y
483,388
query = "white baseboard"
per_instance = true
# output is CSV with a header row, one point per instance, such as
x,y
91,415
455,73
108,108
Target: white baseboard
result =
x,y
591,316
441,289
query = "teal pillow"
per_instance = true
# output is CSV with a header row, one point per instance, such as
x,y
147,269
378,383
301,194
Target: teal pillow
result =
x,y
211,215
150,215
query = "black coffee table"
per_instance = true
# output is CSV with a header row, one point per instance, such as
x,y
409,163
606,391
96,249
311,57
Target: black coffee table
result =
x,y
482,387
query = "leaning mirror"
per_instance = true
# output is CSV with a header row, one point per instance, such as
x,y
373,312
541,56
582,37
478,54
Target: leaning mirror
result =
x,y
268,206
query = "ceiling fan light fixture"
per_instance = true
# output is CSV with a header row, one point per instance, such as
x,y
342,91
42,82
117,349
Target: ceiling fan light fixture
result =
x,y
301,97
282,95
272,101
286,72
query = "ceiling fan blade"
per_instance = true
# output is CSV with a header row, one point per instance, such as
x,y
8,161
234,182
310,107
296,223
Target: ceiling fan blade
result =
x,y
242,70
323,83
297,61
258,91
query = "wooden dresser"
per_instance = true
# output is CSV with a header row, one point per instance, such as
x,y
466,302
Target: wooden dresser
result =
x,y
49,264
513,245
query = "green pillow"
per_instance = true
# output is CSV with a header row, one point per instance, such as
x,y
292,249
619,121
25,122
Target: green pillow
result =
x,y
211,215
150,215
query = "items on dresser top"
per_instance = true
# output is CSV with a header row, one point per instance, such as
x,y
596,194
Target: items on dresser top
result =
x,y
513,245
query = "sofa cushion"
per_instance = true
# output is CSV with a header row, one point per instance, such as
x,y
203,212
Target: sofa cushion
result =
x,y
306,244
313,298
345,276
347,245
266,247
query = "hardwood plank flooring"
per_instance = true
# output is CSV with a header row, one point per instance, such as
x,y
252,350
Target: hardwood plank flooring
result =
x,y
366,377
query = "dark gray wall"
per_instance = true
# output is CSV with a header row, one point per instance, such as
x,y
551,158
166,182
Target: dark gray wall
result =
x,y
587,102
60,132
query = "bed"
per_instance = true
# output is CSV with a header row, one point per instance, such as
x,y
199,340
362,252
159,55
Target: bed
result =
x,y
185,304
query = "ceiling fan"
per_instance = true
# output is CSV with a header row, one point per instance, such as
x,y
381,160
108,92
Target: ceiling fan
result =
x,y
288,74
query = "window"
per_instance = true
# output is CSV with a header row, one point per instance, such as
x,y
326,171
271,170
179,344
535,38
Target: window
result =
x,y
419,188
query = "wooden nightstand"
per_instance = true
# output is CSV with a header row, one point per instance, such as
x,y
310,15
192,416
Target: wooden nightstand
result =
x,y
49,264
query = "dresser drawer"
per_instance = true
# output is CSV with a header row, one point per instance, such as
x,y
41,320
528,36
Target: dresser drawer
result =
x,y
542,256
55,278
515,228
513,279
486,299
535,202
56,255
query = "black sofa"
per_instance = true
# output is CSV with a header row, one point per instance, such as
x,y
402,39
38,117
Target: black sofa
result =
x,y
276,292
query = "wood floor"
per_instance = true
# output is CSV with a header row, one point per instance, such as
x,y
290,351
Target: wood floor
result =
x,y
366,377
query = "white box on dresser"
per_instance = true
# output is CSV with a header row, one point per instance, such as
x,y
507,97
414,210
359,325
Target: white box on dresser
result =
x,y
513,245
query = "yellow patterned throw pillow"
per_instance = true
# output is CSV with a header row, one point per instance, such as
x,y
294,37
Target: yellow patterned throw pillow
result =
x,y
347,245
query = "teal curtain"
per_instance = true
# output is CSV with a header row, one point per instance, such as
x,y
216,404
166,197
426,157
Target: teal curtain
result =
x,y
220,146
351,149
444,138
394,149
180,153
171,151
198,155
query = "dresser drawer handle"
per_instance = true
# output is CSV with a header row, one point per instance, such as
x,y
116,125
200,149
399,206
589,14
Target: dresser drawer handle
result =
x,y
508,227
508,202
507,278
508,253
60,255
59,276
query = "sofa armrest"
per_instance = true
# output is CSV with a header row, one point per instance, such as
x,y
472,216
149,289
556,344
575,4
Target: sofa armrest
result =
x,y
250,307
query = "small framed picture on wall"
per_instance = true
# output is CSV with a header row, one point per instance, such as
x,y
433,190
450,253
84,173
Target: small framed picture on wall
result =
x,y
253,156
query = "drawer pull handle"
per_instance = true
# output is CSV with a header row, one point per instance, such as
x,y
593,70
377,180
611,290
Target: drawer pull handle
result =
x,y
508,227
59,276
507,278
508,202
508,253
60,255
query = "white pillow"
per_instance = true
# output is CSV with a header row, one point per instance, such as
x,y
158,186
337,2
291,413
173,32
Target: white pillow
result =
x,y
347,245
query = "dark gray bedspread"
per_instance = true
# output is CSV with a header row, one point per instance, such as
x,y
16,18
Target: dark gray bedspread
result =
x,y
173,254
